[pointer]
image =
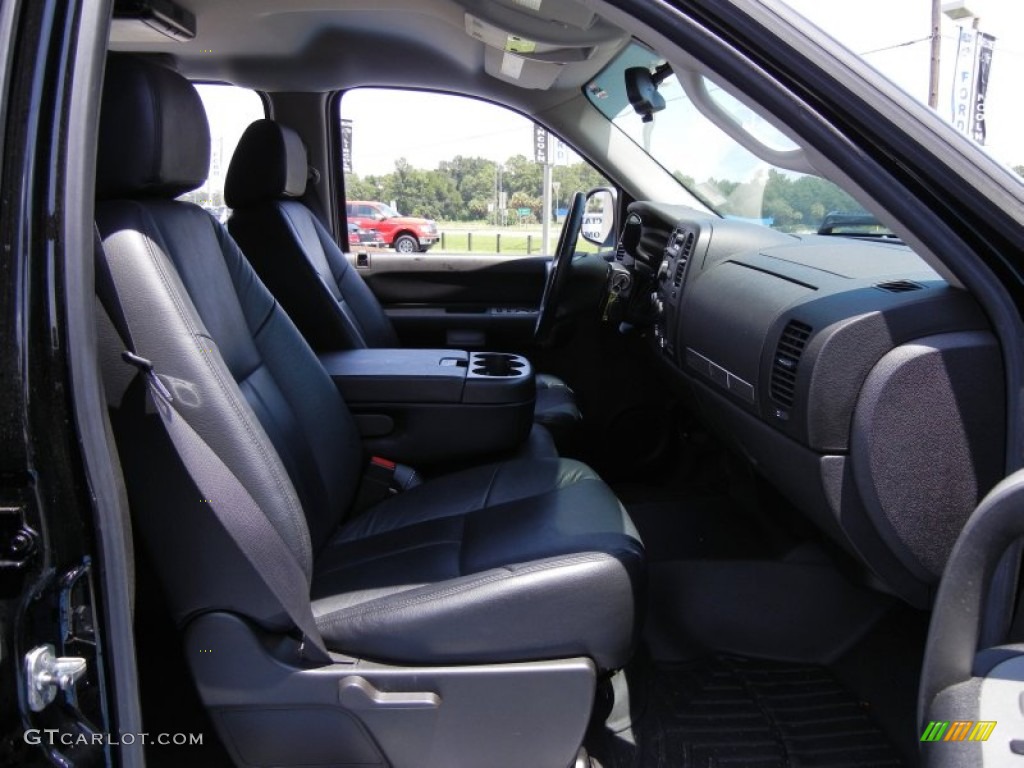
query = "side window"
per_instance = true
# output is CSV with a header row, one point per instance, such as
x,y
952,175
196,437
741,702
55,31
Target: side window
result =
x,y
229,110
463,176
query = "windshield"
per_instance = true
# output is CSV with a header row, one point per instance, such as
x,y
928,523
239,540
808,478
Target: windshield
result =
x,y
718,169
388,211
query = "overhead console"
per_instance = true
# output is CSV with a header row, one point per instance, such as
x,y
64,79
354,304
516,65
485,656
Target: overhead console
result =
x,y
856,379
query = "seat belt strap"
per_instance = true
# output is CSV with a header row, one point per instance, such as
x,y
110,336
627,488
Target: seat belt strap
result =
x,y
238,513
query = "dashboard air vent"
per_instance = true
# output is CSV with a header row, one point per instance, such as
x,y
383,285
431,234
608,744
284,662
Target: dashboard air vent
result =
x,y
685,249
787,358
899,286
677,276
629,239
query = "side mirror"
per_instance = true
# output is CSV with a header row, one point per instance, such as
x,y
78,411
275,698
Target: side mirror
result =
x,y
599,217
642,92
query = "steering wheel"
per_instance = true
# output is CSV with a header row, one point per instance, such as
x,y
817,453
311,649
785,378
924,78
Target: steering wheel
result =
x,y
558,275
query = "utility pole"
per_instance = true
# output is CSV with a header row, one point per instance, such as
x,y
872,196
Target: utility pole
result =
x,y
499,188
933,72
542,154
545,219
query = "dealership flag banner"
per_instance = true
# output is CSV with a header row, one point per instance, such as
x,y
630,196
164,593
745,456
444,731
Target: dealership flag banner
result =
x,y
986,45
346,145
970,82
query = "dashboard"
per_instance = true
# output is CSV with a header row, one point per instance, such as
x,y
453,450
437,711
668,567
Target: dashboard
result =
x,y
847,371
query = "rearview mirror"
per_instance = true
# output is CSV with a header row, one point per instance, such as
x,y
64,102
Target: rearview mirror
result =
x,y
599,217
642,92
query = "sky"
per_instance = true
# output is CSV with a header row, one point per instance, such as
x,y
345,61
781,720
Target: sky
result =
x,y
878,30
444,126
891,35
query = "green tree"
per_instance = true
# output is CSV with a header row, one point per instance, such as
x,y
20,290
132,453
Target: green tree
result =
x,y
687,181
465,188
440,198
577,177
522,174
474,179
357,188
782,214
724,187
412,190
801,202
523,200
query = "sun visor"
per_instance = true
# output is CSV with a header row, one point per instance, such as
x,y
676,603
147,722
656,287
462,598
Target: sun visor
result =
x,y
519,70
572,14
521,60
520,44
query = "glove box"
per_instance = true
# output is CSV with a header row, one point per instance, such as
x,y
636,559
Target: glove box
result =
x,y
427,406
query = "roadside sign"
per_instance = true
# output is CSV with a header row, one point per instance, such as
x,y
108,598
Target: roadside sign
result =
x,y
540,143
548,149
561,153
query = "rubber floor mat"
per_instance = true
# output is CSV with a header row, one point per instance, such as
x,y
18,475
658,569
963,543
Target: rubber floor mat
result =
x,y
729,712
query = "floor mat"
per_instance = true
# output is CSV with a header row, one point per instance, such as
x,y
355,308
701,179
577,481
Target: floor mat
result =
x,y
729,712
697,527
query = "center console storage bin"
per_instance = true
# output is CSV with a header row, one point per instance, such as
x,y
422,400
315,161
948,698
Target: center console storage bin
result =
x,y
427,406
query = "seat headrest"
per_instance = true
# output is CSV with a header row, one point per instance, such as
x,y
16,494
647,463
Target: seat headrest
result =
x,y
269,163
154,138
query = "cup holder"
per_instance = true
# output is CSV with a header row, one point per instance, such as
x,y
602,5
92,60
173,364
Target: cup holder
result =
x,y
497,364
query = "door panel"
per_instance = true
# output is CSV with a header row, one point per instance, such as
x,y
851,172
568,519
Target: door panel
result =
x,y
970,700
461,301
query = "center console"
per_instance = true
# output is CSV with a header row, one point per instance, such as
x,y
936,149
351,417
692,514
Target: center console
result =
x,y
428,406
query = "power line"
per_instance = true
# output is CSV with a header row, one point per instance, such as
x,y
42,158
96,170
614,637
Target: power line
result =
x,y
897,45
1003,50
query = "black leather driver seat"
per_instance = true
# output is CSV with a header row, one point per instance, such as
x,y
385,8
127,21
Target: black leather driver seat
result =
x,y
512,562
303,267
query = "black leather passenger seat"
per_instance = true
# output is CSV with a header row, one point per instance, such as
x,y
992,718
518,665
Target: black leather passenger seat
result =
x,y
490,546
503,564
304,268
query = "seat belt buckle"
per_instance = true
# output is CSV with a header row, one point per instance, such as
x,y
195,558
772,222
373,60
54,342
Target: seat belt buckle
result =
x,y
380,474
380,461
397,477
383,479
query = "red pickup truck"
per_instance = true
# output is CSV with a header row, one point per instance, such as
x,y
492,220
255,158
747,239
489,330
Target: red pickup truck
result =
x,y
406,234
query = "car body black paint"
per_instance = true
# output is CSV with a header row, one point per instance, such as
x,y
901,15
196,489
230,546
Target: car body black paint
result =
x,y
47,595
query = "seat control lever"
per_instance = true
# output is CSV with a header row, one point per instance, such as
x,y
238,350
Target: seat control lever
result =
x,y
356,692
